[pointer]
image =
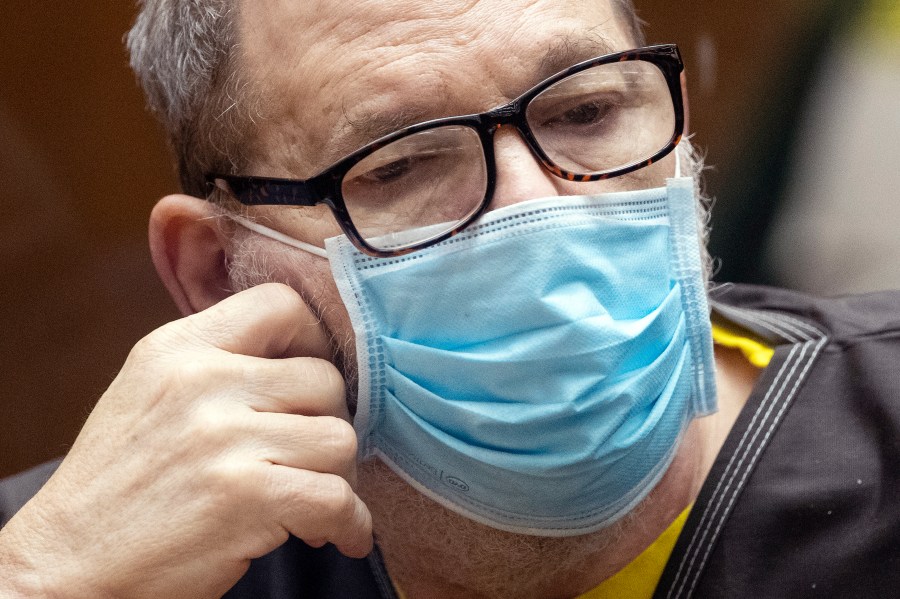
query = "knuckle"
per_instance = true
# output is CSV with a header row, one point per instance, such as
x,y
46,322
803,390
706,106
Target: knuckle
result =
x,y
169,342
339,438
324,507
196,373
204,328
181,333
153,345
232,482
333,380
190,371
326,376
147,344
280,295
361,518
188,383
336,495
209,429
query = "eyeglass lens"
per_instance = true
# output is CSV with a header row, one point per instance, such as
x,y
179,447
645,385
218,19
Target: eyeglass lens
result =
x,y
604,118
601,119
434,176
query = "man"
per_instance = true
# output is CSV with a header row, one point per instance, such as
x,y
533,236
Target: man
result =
x,y
510,308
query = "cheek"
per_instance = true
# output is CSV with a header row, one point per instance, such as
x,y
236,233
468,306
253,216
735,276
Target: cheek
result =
x,y
316,285
656,174
259,260
334,313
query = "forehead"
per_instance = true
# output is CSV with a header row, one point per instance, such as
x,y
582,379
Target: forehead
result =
x,y
333,75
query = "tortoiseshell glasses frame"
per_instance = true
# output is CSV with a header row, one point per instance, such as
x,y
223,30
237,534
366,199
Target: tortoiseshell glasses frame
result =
x,y
326,187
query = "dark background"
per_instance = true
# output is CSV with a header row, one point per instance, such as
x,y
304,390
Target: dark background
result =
x,y
81,165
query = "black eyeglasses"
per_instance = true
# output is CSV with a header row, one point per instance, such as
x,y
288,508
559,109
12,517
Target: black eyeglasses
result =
x,y
599,119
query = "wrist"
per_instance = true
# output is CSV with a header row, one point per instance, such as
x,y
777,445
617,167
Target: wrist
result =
x,y
18,580
28,572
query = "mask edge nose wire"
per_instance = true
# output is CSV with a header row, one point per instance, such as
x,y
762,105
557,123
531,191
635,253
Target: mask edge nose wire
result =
x,y
278,236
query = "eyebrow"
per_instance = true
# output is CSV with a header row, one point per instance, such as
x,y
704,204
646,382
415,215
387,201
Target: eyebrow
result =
x,y
562,53
567,51
374,125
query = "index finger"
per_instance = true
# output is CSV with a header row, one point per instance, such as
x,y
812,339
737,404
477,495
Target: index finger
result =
x,y
266,321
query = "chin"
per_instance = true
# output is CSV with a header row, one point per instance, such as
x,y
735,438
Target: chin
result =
x,y
417,535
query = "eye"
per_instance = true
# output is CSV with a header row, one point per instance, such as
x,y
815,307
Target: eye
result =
x,y
388,172
587,113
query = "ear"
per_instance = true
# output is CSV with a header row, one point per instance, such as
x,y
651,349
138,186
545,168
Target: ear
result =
x,y
190,252
687,104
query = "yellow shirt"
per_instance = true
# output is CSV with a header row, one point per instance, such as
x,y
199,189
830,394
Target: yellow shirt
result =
x,y
638,579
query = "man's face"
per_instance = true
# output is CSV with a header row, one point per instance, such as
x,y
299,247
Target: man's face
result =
x,y
334,76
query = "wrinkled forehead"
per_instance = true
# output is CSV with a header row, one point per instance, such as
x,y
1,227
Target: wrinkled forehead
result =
x,y
333,75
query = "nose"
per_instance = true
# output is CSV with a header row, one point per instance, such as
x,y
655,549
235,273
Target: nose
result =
x,y
520,176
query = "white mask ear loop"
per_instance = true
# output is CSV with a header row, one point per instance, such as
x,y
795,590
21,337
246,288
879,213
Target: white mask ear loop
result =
x,y
678,161
273,234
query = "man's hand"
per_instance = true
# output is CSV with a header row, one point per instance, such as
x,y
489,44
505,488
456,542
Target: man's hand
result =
x,y
209,449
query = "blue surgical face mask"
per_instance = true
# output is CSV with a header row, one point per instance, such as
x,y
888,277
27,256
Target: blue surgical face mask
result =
x,y
536,372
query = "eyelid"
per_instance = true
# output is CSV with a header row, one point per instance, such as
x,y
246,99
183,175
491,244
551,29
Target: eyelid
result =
x,y
556,107
388,154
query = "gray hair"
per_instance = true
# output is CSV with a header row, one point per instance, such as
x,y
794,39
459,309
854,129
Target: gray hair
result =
x,y
184,53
